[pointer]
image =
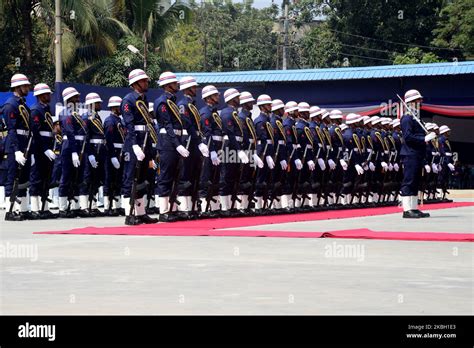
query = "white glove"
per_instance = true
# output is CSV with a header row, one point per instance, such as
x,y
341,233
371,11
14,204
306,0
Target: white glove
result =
x,y
332,165
427,168
359,169
243,157
33,160
138,152
204,149
75,160
215,159
153,164
321,164
298,164
311,165
92,161
182,151
50,154
270,162
115,162
343,164
434,166
390,167
257,160
430,136
284,165
451,167
372,166
396,167
20,158
366,167
384,165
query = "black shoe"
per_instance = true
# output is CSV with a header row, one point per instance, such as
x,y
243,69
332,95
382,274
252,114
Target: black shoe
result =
x,y
67,214
84,213
148,220
225,213
34,215
46,214
133,220
111,212
411,214
13,217
184,215
96,213
168,217
421,214
29,215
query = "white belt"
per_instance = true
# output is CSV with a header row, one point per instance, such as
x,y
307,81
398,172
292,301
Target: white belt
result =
x,y
226,137
295,146
269,141
46,134
77,137
97,141
22,132
309,147
449,154
217,137
251,141
118,145
176,131
140,127
281,142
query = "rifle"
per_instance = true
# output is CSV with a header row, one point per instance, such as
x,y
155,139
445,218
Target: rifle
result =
x,y
305,185
73,182
254,178
294,195
16,182
212,184
176,186
46,183
265,188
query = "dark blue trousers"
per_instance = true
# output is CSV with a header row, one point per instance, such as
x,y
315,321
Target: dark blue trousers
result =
x,y
412,171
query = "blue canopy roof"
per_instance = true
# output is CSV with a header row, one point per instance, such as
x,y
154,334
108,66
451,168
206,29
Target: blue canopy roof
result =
x,y
349,73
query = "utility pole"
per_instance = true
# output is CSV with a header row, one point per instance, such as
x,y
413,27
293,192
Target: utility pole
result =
x,y
57,42
285,38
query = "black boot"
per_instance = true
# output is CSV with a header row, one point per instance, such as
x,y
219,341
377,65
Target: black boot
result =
x,y
96,213
168,217
133,220
34,215
46,214
421,214
29,216
84,213
148,220
13,217
67,214
411,214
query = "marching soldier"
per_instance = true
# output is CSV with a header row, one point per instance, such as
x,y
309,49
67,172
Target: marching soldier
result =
x,y
233,139
294,161
212,130
114,139
140,133
280,157
413,152
44,152
265,151
73,149
95,152
173,147
18,148
192,166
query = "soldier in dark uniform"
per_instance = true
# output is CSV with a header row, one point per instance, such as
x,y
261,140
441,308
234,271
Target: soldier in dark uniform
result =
x,y
173,145
446,162
233,150
413,152
265,151
57,165
212,130
18,153
44,152
294,156
319,175
114,138
72,152
140,134
281,156
249,145
192,166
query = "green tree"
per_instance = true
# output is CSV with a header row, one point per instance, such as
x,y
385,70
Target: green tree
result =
x,y
455,29
415,55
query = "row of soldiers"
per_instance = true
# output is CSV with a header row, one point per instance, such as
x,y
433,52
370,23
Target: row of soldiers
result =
x,y
170,158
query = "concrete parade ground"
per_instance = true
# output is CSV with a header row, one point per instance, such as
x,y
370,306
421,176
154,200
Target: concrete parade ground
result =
x,y
123,274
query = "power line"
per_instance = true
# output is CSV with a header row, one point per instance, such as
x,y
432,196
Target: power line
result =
x,y
366,57
396,43
371,49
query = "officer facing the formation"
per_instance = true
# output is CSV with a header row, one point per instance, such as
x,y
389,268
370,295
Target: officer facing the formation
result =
x,y
137,148
18,148
233,150
190,173
44,152
173,146
114,138
413,152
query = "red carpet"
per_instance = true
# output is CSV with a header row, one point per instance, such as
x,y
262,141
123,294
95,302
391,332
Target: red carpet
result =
x,y
209,227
